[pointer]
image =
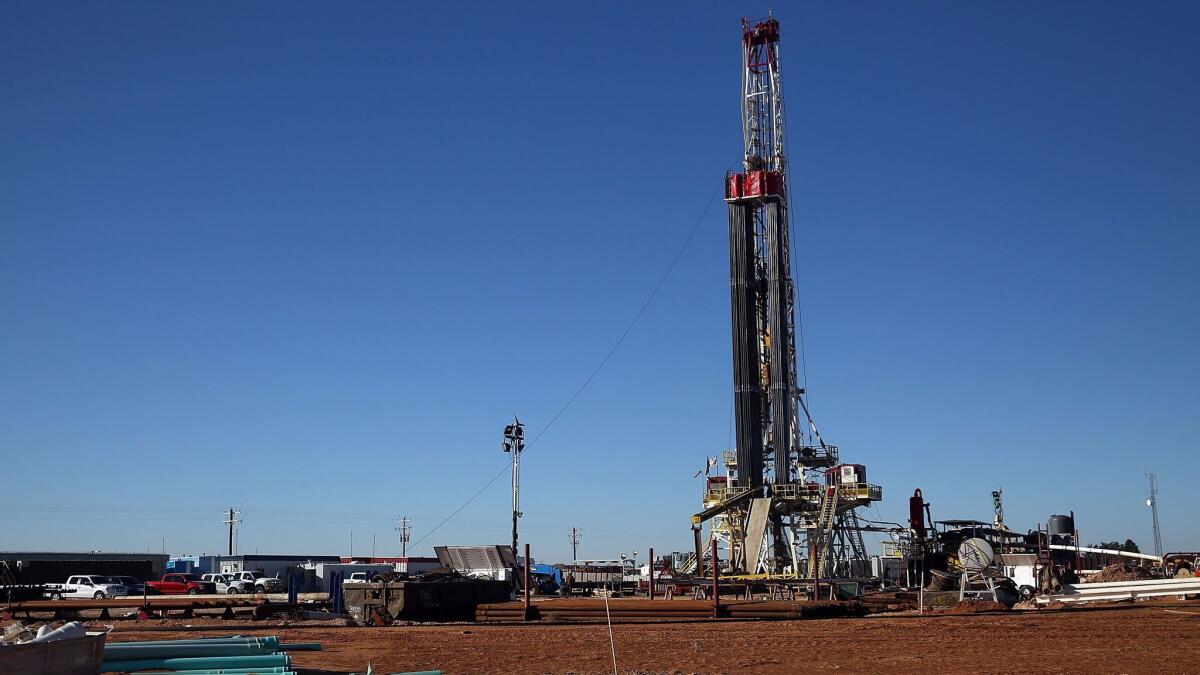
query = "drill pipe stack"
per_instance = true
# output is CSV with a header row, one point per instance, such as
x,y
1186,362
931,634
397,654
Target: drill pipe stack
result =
x,y
593,609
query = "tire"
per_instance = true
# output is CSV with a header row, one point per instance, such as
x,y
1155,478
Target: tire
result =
x,y
260,589
193,591
232,590
56,596
1027,592
99,595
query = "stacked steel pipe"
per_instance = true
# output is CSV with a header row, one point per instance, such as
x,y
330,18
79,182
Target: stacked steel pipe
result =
x,y
593,609
151,604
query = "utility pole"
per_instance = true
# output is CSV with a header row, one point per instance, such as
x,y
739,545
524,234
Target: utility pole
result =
x,y
231,521
403,526
514,442
1152,502
575,534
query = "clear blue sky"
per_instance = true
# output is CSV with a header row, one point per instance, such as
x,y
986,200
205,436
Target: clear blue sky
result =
x,y
307,259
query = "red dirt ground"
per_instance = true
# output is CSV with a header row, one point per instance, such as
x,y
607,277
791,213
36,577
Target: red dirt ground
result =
x,y
1144,638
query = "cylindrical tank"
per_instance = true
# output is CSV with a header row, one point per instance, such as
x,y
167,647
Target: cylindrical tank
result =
x,y
916,514
1060,524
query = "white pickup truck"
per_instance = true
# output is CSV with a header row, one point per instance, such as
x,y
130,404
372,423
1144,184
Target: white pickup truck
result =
x,y
86,586
228,585
258,581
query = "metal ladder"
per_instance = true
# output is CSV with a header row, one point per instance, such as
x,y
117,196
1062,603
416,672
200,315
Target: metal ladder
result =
x,y
6,576
824,533
688,565
853,532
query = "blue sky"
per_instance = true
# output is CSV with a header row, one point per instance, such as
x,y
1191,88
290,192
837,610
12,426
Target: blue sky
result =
x,y
307,259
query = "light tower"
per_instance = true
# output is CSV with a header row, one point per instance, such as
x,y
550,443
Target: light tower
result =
x,y
1152,502
514,442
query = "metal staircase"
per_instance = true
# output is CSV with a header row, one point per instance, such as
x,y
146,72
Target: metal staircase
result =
x,y
822,534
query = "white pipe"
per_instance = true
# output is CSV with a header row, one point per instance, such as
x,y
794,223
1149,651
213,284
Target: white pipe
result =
x,y
67,631
1088,549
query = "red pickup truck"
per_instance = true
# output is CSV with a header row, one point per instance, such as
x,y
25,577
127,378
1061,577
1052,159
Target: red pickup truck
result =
x,y
180,584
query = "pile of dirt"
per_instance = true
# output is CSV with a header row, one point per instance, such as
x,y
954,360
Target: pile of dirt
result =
x,y
1120,572
975,606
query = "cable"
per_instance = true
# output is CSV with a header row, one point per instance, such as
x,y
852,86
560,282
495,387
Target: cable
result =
x,y
795,271
588,380
612,644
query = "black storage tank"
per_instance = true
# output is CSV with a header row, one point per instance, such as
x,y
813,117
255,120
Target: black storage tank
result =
x,y
1060,524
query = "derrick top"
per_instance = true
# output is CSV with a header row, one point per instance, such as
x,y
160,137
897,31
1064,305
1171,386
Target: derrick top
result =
x,y
763,32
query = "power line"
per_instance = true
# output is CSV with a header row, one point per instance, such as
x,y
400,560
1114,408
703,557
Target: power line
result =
x,y
588,380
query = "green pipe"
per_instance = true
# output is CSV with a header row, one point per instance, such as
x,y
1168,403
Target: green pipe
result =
x,y
120,652
300,647
203,663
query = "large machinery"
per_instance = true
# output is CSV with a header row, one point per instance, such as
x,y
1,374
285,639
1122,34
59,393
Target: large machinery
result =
x,y
786,505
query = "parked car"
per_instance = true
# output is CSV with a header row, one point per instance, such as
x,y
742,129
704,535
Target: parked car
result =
x,y
260,582
357,578
180,584
86,586
227,584
132,585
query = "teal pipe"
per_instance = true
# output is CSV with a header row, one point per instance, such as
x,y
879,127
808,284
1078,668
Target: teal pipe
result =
x,y
202,663
120,652
419,672
300,647
233,671
270,640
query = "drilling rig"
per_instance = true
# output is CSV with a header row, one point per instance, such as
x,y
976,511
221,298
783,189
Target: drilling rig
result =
x,y
786,504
